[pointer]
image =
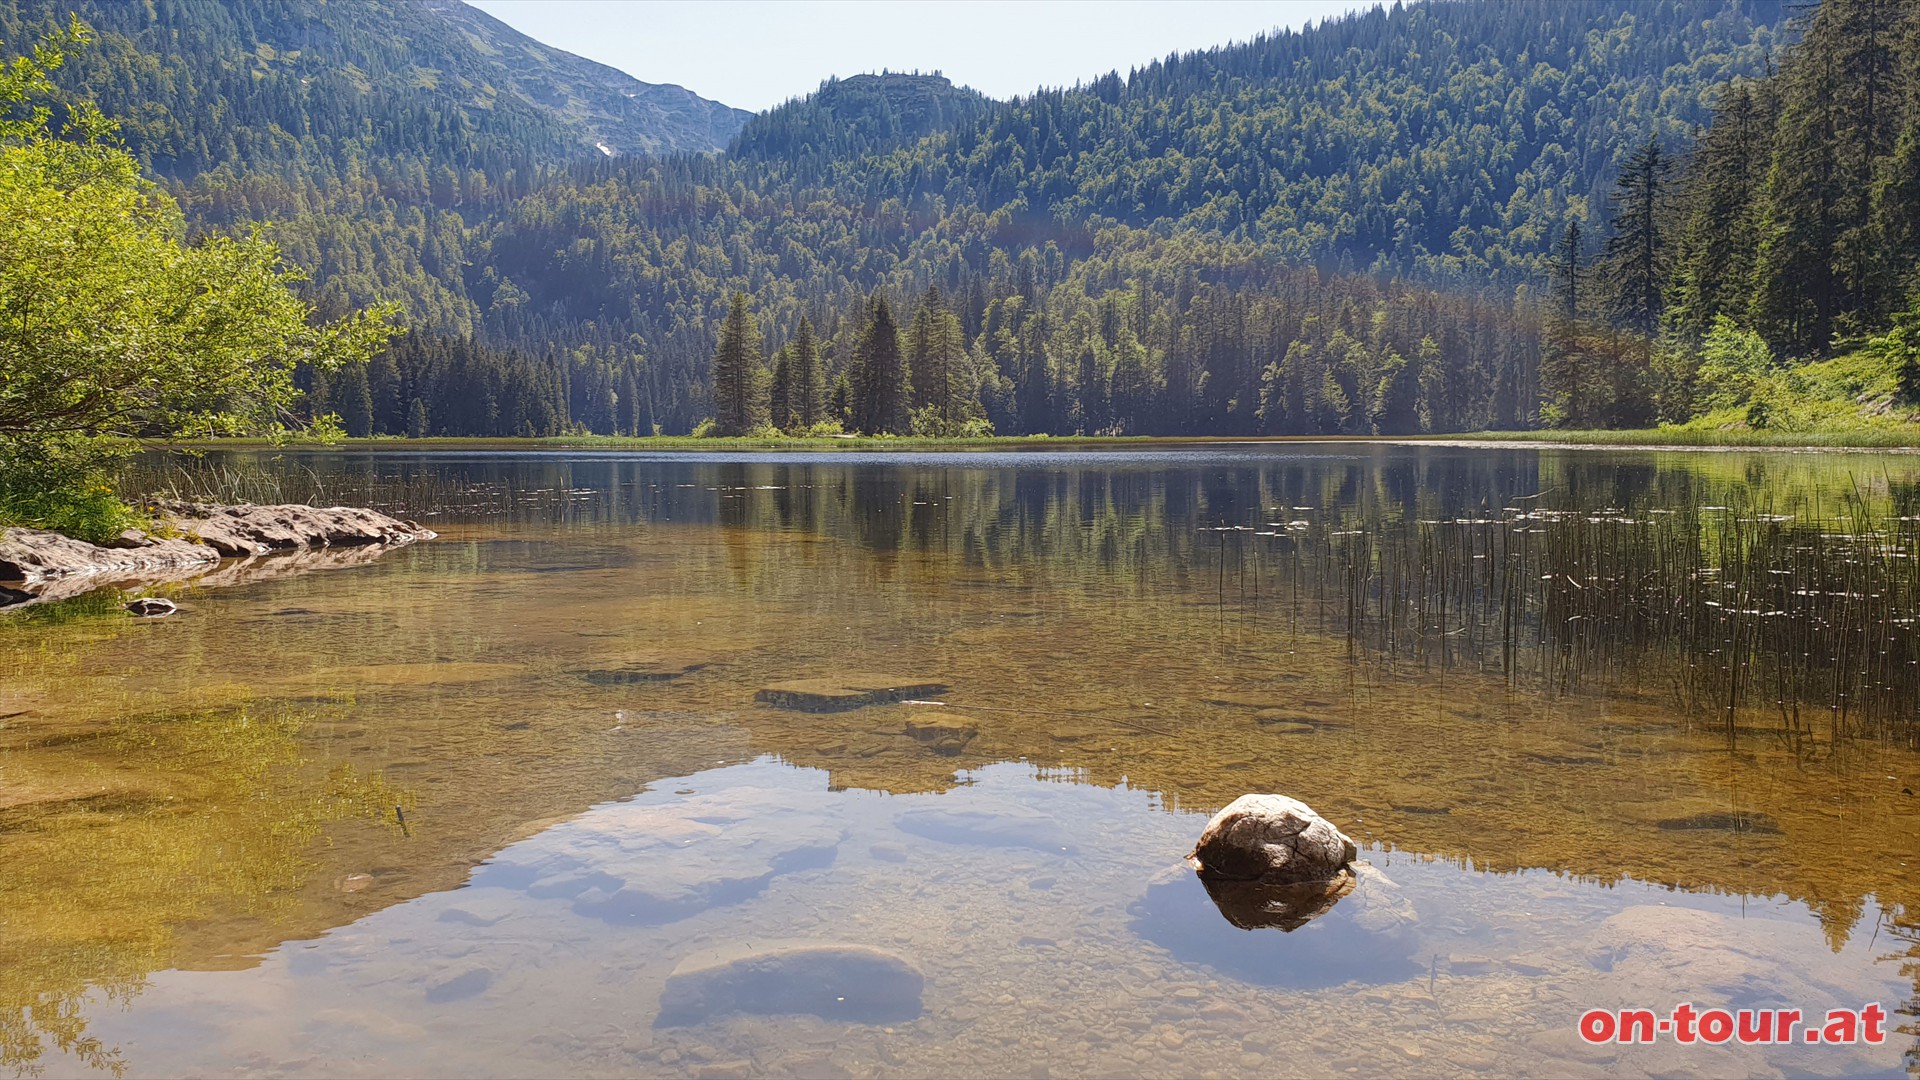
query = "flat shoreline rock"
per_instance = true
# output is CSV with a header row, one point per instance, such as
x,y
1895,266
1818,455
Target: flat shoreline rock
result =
x,y
200,537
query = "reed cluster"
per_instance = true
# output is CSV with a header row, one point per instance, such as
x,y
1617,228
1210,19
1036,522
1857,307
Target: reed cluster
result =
x,y
405,489
1803,621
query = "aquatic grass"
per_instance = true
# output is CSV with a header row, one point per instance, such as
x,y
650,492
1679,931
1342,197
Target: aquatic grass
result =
x,y
409,490
1791,611
1808,616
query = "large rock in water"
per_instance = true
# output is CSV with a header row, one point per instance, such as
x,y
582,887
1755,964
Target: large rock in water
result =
x,y
835,980
1273,839
36,555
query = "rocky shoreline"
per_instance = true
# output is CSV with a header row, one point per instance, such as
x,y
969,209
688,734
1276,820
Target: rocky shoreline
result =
x,y
190,540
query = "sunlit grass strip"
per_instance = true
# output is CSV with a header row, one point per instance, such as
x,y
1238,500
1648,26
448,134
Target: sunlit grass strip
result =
x,y
1903,438
681,442
1892,438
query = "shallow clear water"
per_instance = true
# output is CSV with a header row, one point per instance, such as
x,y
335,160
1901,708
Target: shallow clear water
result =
x,y
466,808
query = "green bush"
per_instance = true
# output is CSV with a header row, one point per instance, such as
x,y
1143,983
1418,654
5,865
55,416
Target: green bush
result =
x,y
65,490
115,325
1733,363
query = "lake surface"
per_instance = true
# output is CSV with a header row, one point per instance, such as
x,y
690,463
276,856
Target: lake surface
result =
x,y
466,808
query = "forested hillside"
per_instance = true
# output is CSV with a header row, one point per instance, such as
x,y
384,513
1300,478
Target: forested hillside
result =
x,y
1339,230
308,86
853,118
1344,229
373,136
1788,232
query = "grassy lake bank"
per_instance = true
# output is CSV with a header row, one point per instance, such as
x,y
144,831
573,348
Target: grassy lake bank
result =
x,y
1691,438
1662,438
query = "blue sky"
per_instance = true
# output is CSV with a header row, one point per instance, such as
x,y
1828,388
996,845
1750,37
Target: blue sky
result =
x,y
753,54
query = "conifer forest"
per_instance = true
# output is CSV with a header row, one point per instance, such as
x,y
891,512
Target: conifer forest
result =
x,y
1434,217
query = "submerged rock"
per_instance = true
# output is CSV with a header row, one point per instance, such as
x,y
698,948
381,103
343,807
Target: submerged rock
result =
x,y
835,980
152,607
943,733
469,983
1273,839
640,670
1722,958
843,692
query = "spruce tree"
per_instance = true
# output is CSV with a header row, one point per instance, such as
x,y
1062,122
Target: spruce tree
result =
x,y
808,393
383,383
780,399
417,420
1713,266
627,418
1035,391
937,362
1131,385
1091,390
356,404
1897,188
920,360
840,401
739,376
1433,411
1797,292
319,394
1634,270
1569,276
880,382
1568,387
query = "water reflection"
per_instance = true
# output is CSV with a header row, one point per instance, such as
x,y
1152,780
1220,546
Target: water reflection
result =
x,y
1360,929
1254,905
121,833
999,955
1122,655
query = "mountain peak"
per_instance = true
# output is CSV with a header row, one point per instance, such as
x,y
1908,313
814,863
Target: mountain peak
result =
x,y
861,114
328,73
619,113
